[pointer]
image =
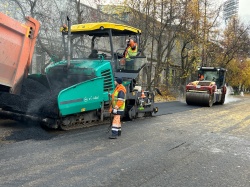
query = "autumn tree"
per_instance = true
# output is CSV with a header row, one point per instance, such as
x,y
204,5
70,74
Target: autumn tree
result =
x,y
196,36
238,74
235,43
189,40
176,31
160,26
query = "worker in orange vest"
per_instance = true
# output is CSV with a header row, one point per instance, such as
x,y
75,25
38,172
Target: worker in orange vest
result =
x,y
117,108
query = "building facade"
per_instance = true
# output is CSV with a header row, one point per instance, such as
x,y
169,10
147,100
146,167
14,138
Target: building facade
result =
x,y
230,9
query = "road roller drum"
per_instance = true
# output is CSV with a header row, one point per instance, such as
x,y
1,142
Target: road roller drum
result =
x,y
197,98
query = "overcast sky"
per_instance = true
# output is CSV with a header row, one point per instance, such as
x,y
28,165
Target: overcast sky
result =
x,y
244,13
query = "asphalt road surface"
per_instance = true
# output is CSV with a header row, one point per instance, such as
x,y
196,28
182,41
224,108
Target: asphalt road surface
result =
x,y
181,146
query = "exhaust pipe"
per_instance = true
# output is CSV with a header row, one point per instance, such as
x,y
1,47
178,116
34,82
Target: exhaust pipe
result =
x,y
69,41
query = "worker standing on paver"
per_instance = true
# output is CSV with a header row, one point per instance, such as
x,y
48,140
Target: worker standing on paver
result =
x,y
130,51
118,106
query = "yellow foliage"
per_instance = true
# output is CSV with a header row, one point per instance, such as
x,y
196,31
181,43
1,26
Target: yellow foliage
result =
x,y
239,73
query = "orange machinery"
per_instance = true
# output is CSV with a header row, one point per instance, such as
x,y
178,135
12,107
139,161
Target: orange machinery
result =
x,y
17,43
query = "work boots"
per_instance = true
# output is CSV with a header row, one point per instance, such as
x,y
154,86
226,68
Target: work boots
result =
x,y
119,131
116,131
114,134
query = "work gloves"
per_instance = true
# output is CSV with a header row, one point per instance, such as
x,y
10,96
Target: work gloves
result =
x,y
114,111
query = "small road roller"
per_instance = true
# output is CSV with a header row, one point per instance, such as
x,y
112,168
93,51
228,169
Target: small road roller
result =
x,y
210,87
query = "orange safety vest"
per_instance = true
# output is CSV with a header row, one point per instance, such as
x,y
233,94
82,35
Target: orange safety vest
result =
x,y
119,102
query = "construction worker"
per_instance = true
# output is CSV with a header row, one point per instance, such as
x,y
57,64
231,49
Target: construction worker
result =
x,y
130,51
118,106
201,77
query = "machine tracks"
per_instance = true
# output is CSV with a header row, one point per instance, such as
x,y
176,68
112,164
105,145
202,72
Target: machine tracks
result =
x,y
77,124
93,118
72,123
